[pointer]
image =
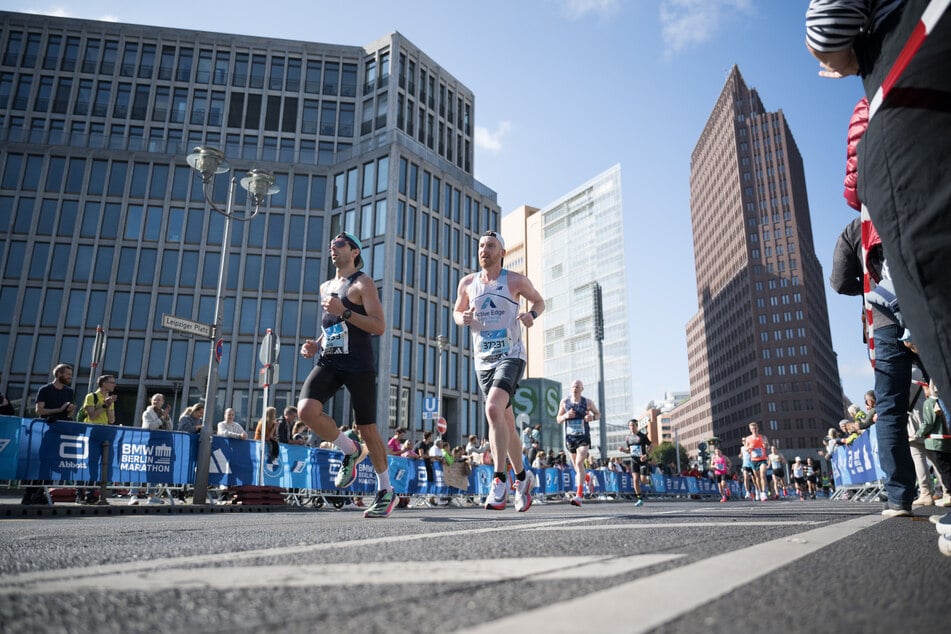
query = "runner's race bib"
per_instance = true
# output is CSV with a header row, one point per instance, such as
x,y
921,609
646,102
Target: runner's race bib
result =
x,y
495,343
574,426
336,339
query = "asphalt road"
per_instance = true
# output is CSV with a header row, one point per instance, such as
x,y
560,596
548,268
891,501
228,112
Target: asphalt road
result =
x,y
677,566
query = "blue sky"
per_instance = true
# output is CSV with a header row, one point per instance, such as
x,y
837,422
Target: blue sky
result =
x,y
567,88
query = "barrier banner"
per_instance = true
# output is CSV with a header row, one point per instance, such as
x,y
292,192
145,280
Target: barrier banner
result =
x,y
403,475
438,486
857,464
235,462
481,478
625,484
550,481
142,456
658,483
73,451
9,443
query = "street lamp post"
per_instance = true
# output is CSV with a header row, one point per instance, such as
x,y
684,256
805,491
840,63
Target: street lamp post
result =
x,y
441,343
259,183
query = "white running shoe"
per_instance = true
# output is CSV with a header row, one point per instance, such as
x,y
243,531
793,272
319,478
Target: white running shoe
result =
x,y
576,500
523,492
497,497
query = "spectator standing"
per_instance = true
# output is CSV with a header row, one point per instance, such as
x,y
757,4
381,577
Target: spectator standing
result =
x,y
99,406
526,438
352,314
919,455
6,408
190,420
285,427
488,302
476,447
858,248
155,417
422,448
54,402
394,446
936,434
230,428
407,451
267,430
901,159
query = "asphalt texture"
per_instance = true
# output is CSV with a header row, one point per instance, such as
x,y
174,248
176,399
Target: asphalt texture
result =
x,y
668,566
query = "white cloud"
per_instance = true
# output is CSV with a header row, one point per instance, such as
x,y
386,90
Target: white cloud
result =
x,y
687,23
581,8
491,140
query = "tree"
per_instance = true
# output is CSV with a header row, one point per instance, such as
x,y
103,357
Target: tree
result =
x,y
666,453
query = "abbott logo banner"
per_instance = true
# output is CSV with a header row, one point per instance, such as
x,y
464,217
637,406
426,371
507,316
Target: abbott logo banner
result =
x,y
73,452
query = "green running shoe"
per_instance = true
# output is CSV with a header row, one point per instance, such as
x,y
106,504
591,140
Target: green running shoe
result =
x,y
382,505
347,474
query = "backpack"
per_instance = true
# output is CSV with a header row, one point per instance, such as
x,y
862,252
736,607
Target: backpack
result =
x,y
81,416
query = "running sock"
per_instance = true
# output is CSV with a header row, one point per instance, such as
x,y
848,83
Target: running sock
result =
x,y
383,481
344,444
520,476
580,490
501,476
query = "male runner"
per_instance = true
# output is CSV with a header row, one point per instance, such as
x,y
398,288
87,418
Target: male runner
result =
x,y
638,445
576,413
352,313
488,303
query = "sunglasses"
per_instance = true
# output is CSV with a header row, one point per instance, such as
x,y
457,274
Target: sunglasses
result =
x,y
339,243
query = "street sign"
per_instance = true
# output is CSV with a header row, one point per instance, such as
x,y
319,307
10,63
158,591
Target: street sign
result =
x,y
186,325
219,350
430,407
270,348
441,426
269,375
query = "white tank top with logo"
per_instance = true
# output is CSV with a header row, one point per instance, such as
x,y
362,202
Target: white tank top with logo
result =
x,y
501,335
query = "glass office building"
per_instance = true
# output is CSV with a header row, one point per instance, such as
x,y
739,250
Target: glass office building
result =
x,y
105,224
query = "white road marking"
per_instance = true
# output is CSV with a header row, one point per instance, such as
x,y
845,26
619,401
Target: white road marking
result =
x,y
11,583
707,580
371,573
641,525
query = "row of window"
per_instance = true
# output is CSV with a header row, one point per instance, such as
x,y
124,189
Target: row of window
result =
x,y
179,63
98,177
163,104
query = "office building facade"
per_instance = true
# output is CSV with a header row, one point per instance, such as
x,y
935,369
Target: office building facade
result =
x,y
759,347
556,241
106,224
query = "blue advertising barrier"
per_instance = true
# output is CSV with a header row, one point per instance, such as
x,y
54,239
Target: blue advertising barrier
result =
x,y
9,443
68,451
73,451
857,464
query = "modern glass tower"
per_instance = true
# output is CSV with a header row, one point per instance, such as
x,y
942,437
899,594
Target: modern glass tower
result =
x,y
759,347
552,246
104,222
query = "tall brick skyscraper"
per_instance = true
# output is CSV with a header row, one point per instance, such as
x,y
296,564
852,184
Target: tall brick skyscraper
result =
x,y
759,346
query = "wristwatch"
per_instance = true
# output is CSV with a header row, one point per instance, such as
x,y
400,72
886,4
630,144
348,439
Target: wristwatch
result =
x,y
346,314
